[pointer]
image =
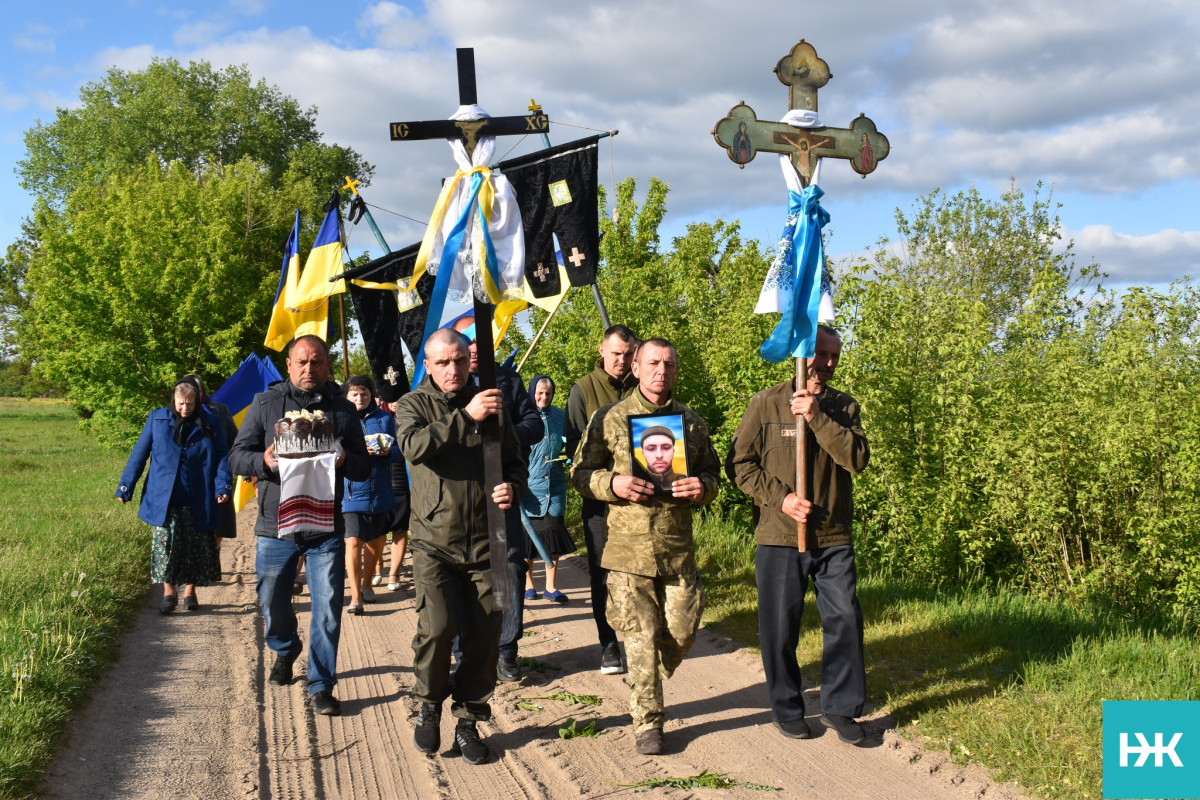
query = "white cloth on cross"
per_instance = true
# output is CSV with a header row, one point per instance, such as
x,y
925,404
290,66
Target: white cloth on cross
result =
x,y
504,225
776,293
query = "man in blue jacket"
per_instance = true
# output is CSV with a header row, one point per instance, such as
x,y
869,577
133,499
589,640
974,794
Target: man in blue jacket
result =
x,y
308,387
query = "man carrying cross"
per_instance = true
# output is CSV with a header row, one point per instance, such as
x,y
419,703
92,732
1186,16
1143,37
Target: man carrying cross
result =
x,y
762,463
440,433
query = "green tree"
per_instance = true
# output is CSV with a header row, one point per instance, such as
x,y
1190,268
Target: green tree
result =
x,y
150,275
196,115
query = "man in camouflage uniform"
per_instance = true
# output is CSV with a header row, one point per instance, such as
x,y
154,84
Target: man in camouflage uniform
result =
x,y
654,594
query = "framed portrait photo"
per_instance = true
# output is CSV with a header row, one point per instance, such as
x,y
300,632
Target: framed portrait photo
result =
x,y
658,449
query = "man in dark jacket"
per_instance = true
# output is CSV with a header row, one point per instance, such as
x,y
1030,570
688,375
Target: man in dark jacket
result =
x,y
440,433
527,424
762,462
610,381
308,388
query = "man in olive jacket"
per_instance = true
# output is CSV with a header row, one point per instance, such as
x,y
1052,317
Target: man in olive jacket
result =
x,y
440,433
762,462
654,594
609,382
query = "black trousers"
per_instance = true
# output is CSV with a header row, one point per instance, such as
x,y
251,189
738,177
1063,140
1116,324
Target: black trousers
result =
x,y
782,574
512,621
595,534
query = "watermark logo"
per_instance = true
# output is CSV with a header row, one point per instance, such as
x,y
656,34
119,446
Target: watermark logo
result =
x,y
1151,749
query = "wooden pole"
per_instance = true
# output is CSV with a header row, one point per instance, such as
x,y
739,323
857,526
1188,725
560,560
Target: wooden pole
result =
x,y
801,453
533,344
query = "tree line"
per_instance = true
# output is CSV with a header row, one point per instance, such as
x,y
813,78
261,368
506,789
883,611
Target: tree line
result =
x,y
1028,426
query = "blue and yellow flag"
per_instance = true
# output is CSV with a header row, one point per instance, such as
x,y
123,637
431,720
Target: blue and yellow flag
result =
x,y
324,261
253,375
286,324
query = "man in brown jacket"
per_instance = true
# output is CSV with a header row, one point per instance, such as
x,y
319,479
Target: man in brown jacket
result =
x,y
762,463
609,382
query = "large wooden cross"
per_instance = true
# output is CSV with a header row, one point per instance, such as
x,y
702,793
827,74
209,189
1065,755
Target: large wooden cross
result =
x,y
469,132
744,135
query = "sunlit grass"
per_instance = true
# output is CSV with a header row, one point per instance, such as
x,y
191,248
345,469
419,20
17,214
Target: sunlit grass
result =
x,y
73,564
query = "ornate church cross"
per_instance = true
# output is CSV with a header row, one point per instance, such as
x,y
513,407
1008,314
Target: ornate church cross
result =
x,y
469,132
743,134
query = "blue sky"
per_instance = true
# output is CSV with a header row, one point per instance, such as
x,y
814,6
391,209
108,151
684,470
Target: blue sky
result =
x,y
1095,99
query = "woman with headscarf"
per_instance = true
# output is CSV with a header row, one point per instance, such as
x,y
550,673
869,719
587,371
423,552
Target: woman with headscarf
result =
x,y
188,479
367,504
545,500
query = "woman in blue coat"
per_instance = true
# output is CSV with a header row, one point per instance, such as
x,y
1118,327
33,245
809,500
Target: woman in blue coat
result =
x,y
545,501
188,477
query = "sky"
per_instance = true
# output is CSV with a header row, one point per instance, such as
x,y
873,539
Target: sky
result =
x,y
1095,99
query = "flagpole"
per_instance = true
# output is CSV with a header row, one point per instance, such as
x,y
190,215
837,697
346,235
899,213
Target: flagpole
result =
x,y
345,348
801,453
533,344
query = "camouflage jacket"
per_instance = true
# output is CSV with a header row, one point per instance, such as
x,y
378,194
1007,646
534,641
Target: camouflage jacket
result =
x,y
655,537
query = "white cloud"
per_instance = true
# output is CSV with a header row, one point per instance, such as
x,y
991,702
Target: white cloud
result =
x,y
34,44
9,101
393,26
1154,258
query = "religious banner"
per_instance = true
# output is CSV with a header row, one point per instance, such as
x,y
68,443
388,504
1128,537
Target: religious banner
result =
x,y
386,329
557,192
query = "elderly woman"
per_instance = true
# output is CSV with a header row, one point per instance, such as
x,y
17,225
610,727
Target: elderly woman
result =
x,y
189,476
545,500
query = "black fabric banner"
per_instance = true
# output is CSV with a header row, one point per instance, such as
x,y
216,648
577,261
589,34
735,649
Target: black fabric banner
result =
x,y
557,192
384,327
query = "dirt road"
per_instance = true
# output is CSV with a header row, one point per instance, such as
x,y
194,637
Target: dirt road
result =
x,y
186,713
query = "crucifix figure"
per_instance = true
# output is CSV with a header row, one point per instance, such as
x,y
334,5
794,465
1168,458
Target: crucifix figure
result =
x,y
743,135
469,132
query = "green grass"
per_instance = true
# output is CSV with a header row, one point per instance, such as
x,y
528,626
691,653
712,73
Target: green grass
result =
x,y
73,565
991,676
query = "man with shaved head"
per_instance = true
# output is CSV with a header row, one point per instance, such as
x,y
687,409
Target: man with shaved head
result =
x,y
440,433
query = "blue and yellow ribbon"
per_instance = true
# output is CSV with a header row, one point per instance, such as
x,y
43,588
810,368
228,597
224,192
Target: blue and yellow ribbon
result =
x,y
796,334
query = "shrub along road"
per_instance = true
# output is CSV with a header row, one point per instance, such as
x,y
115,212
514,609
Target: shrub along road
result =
x,y
186,712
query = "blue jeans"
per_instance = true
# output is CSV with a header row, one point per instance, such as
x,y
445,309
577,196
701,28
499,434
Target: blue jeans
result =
x,y
325,568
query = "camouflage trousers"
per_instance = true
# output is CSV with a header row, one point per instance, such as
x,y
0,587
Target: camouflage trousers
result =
x,y
659,618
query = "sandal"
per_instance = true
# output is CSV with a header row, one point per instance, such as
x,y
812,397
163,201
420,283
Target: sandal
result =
x,y
355,607
376,580
393,583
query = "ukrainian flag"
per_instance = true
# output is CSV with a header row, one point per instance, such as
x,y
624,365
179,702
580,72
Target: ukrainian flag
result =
x,y
324,261
286,324
253,375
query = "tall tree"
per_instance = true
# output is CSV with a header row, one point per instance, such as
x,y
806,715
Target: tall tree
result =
x,y
197,115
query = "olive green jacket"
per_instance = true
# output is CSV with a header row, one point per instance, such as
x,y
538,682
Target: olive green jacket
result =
x,y
653,538
762,463
589,394
443,446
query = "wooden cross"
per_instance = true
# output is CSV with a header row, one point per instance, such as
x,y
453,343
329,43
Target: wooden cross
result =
x,y
743,135
469,132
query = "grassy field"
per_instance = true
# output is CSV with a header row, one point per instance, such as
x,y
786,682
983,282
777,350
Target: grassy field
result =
x,y
993,677
73,565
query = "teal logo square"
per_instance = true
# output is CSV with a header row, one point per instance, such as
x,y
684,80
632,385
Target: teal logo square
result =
x,y
1151,749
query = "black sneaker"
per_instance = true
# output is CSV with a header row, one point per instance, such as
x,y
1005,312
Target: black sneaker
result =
x,y
847,729
281,673
326,704
428,734
468,743
793,729
610,660
508,670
